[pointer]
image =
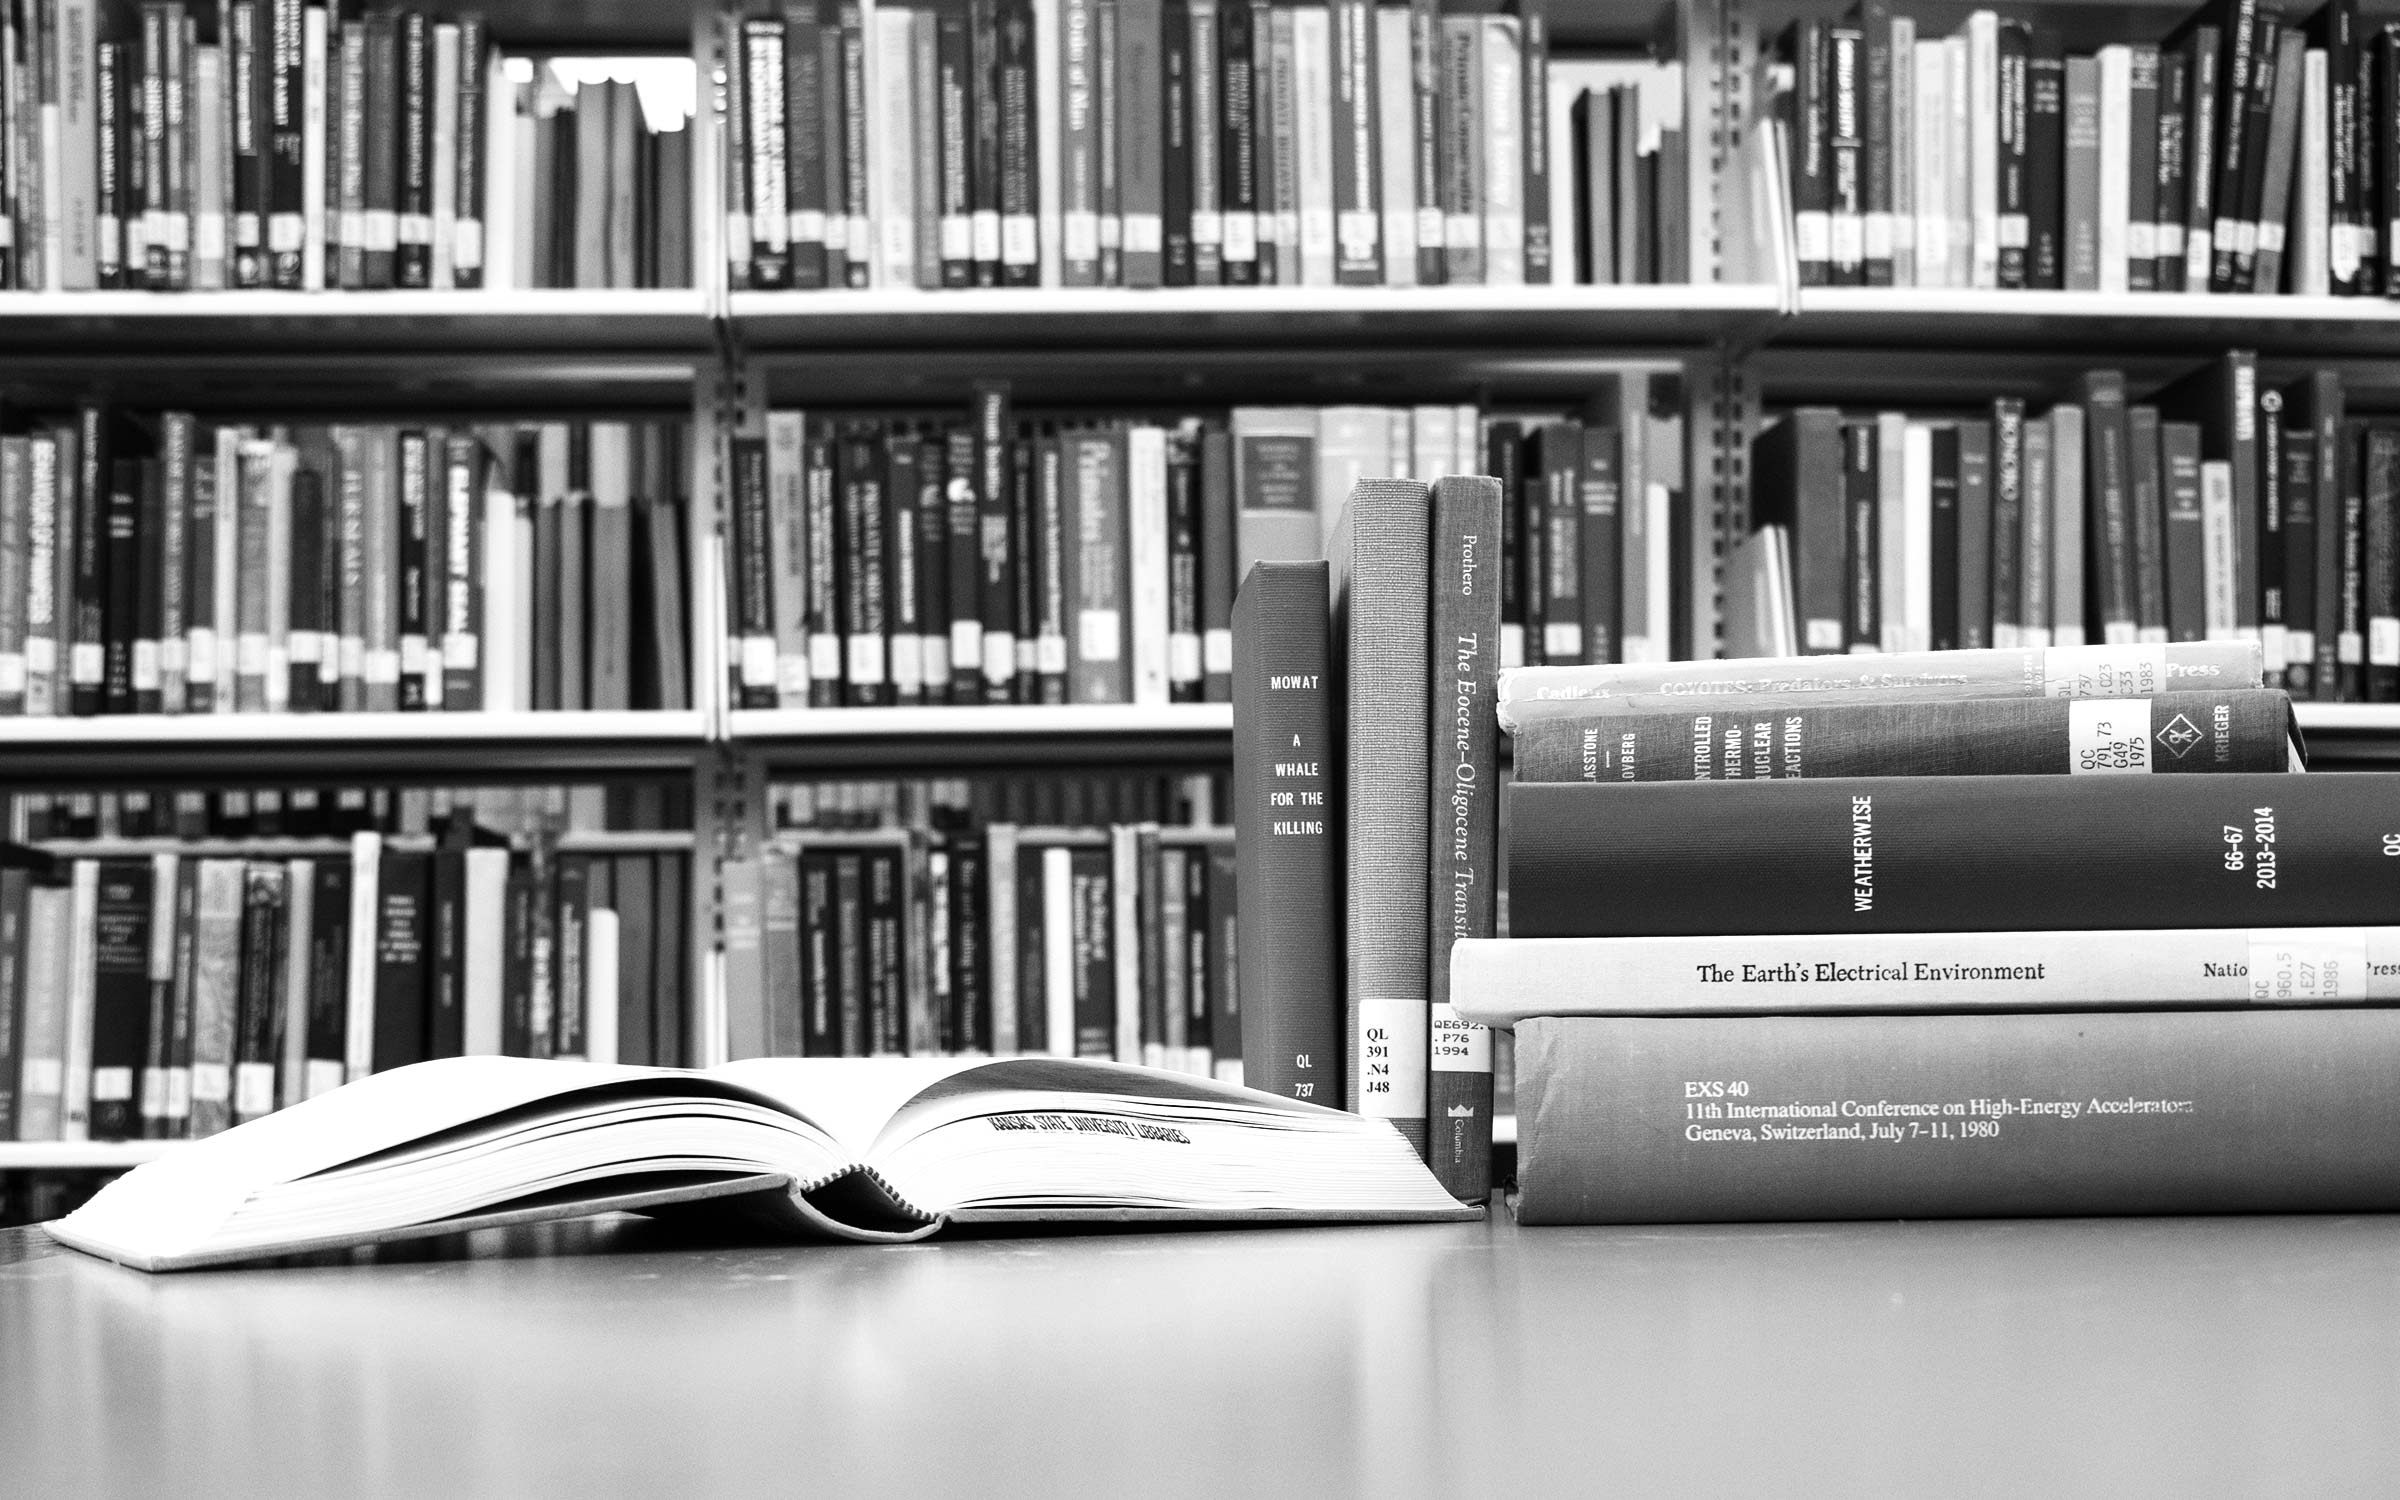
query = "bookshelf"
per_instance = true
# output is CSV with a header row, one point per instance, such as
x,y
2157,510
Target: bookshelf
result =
x,y
1742,333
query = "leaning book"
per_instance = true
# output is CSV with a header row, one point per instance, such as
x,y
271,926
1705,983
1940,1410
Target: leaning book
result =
x,y
858,1149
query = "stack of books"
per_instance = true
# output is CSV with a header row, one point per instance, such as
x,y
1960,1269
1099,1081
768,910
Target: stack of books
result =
x,y
2240,155
1191,143
150,564
165,984
238,144
1981,932
2226,507
1364,776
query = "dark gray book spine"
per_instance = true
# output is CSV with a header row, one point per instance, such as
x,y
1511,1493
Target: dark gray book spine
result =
x,y
1777,738
2144,494
1943,488
1975,535
1863,620
2299,560
1380,597
2321,405
1357,169
1216,565
2008,520
2081,179
2240,43
2137,1112
2045,162
2141,229
1287,821
2184,542
1465,774
2110,517
1931,854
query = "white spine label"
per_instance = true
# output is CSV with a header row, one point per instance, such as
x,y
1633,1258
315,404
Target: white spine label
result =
x,y
2111,736
1391,1073
2308,965
1459,1046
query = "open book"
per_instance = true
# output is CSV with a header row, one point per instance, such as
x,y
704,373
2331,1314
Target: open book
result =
x,y
863,1149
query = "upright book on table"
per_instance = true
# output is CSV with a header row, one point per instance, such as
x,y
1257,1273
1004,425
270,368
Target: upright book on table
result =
x,y
1463,857
1380,599
1287,823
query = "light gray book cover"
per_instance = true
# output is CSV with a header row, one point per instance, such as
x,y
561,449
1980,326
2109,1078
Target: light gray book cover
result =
x,y
1381,556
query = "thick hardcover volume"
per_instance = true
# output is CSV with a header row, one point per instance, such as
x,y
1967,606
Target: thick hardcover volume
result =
x,y
1287,821
1881,1117
2045,162
1380,598
1776,738
2138,671
1503,981
1936,854
1464,857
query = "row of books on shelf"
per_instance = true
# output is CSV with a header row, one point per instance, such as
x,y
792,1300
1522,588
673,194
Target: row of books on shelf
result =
x,y
2222,508
1084,799
2240,155
1792,952
1116,943
159,565
1147,143
275,144
524,811
167,995
1092,558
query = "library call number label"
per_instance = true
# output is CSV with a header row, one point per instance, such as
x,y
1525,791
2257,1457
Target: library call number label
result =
x,y
1722,1112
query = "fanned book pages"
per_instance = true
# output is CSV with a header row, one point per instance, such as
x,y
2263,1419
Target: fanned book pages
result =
x,y
859,1149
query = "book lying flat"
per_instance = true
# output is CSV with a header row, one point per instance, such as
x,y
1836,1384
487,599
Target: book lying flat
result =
x,y
860,1149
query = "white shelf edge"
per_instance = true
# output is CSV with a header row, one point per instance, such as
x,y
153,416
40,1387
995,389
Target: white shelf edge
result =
x,y
541,302
1896,302
64,1155
1269,300
645,726
1005,720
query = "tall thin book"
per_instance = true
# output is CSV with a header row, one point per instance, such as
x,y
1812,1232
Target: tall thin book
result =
x,y
876,1150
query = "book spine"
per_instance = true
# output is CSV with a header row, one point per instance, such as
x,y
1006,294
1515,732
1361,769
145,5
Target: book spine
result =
x,y
1379,601
1205,134
1941,496
954,117
2324,411
2381,573
1023,144
2084,271
904,609
861,544
1977,545
2184,538
1179,265
2246,730
2266,543
1503,982
1237,148
997,541
1357,220
1079,145
1846,856
2044,162
1217,580
925,144
467,560
120,994
2277,165
1463,770
788,555
1287,821
1463,121
2142,144
2299,581
93,477
470,175
2257,127
1182,559
2203,55
1585,550
284,83
2145,494
2143,1113
2173,195
1861,498
765,192
754,666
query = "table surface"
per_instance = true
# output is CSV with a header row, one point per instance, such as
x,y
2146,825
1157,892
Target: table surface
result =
x,y
2118,1357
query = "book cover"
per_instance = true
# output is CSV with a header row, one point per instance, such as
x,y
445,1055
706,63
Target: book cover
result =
x,y
2167,1112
